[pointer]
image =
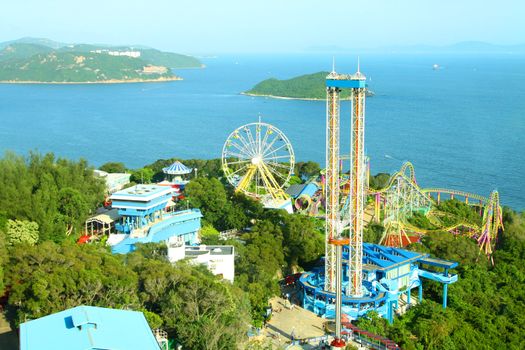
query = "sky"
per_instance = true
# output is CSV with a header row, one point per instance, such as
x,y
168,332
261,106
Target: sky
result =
x,y
265,26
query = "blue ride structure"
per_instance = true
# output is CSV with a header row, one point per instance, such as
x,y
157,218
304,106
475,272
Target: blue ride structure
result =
x,y
389,276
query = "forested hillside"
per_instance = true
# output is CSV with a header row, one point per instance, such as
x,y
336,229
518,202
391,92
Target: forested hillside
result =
x,y
28,61
44,201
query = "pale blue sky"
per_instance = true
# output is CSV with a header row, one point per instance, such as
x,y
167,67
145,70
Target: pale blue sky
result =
x,y
206,26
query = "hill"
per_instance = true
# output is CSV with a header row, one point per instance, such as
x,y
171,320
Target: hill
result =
x,y
42,61
37,41
304,87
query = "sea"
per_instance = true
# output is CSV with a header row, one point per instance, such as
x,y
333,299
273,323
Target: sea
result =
x,y
461,125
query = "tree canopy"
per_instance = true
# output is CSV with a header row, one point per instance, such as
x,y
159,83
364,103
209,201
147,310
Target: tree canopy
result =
x,y
57,194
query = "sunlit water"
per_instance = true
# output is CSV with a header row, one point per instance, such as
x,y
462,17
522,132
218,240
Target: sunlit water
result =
x,y
462,126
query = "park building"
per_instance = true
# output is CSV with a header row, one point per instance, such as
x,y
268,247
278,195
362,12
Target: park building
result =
x,y
219,259
146,214
114,181
90,328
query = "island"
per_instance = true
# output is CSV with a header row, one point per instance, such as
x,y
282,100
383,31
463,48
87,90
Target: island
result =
x,y
304,87
45,61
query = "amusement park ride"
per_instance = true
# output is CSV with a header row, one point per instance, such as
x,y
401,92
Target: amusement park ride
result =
x,y
403,196
376,277
258,160
358,277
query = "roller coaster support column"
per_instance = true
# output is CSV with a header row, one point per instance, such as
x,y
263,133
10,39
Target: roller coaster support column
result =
x,y
408,296
420,291
439,197
445,291
480,208
377,208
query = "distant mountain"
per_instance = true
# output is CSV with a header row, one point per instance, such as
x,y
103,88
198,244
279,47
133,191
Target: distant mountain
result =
x,y
19,51
461,47
38,41
304,87
43,60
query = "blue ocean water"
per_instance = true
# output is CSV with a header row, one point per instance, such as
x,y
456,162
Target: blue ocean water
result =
x,y
462,126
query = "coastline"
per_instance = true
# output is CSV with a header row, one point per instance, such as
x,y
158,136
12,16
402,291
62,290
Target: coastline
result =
x,y
289,98
111,81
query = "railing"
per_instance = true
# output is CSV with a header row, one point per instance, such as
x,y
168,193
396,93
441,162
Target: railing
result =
x,y
371,340
162,338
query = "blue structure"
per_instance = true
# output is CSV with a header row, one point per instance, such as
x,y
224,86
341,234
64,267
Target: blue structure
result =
x,y
86,328
177,168
388,273
146,218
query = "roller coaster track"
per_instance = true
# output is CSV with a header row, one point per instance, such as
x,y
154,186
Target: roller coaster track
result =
x,y
401,173
402,196
460,225
464,194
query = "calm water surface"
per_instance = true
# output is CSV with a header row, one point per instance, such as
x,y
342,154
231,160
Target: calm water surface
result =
x,y
462,126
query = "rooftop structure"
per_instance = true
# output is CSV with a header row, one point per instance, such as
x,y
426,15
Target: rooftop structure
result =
x,y
174,174
177,168
145,215
183,224
140,206
88,328
219,259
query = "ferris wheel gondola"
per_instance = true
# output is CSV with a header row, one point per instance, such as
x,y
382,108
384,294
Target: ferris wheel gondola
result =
x,y
258,160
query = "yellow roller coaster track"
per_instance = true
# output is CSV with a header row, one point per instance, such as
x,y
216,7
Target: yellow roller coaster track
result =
x,y
485,234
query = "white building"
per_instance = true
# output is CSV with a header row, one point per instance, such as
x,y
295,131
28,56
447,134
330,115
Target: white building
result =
x,y
134,54
219,259
114,181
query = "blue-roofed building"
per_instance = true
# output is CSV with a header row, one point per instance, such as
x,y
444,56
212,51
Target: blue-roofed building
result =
x,y
88,328
145,215
389,276
174,174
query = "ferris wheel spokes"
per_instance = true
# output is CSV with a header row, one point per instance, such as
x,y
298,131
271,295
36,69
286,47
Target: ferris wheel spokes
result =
x,y
257,162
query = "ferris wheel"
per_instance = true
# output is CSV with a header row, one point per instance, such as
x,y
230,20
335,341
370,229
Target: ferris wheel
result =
x,y
258,160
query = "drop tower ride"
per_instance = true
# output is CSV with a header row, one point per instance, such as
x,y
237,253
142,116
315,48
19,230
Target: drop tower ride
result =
x,y
351,218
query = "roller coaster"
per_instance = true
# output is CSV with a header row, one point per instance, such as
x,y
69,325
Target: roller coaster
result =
x,y
402,197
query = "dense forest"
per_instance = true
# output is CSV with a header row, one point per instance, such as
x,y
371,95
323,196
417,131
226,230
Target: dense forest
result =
x,y
44,201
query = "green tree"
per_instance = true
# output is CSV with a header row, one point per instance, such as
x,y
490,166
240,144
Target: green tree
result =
x,y
142,175
31,191
196,308
309,169
21,231
209,235
73,208
48,278
113,167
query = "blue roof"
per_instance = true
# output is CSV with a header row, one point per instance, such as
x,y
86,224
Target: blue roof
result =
x,y
141,193
86,328
177,168
387,258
